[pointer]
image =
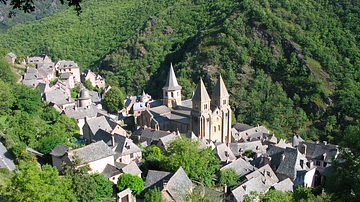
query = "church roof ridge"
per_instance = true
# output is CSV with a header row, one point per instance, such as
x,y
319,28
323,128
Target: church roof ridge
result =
x,y
171,81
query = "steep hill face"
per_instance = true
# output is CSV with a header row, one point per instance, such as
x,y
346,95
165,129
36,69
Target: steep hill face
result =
x,y
289,65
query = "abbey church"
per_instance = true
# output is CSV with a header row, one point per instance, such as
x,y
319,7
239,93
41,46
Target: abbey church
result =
x,y
206,117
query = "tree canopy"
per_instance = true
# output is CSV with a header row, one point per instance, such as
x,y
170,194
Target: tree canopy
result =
x,y
114,99
198,164
133,182
31,183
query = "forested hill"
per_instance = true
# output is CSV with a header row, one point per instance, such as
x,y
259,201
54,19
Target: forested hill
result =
x,y
292,66
43,9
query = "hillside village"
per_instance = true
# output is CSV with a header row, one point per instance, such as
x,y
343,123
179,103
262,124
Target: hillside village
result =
x,y
261,161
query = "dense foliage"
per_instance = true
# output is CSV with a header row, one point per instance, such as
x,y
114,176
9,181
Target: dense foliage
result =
x,y
153,195
198,164
228,177
133,182
114,100
31,183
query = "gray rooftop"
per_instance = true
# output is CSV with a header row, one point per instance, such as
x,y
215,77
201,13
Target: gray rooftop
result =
x,y
257,184
82,112
319,151
220,89
132,168
149,135
285,186
171,81
240,166
92,152
125,146
156,178
59,150
57,97
179,185
224,153
67,64
110,171
201,94
239,148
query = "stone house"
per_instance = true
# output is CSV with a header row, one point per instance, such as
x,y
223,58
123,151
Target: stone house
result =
x,y
96,80
64,66
10,58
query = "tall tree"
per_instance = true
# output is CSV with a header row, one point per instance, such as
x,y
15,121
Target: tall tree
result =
x,y
114,99
199,164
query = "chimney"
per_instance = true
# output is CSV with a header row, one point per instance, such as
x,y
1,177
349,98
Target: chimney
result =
x,y
244,186
282,157
267,160
304,148
325,143
225,188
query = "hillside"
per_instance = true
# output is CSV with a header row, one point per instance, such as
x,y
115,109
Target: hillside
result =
x,y
291,66
42,9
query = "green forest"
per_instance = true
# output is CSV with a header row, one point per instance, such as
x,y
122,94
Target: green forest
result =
x,y
292,66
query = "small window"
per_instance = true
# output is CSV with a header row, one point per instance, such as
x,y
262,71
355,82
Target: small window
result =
x,y
205,106
177,94
172,94
131,155
224,102
324,164
214,128
317,163
219,127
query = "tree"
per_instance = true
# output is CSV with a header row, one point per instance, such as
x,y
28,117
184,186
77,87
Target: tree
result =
x,y
114,100
27,99
103,186
198,164
6,74
344,182
88,84
276,196
31,183
133,182
28,5
153,195
18,148
228,177
7,98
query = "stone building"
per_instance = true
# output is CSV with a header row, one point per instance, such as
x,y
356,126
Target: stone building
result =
x,y
207,117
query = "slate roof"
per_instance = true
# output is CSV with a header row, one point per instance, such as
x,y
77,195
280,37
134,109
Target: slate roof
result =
x,y
65,76
110,171
101,122
102,135
57,97
131,168
190,135
156,178
11,54
265,172
59,151
179,185
220,89
285,186
295,140
206,143
62,64
82,112
285,161
201,94
283,144
149,135
319,151
239,148
241,127
92,152
31,83
224,153
240,166
171,81
125,146
255,184
166,139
